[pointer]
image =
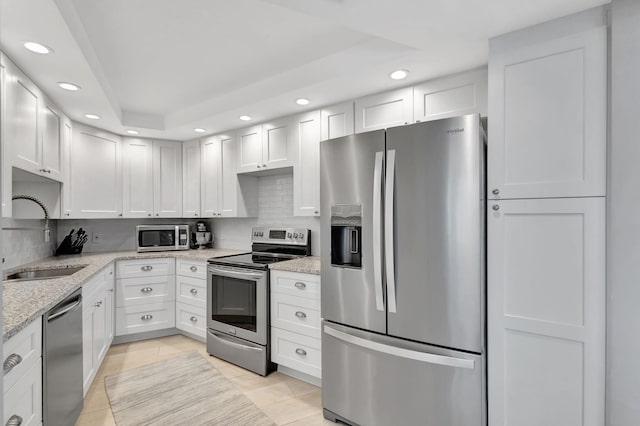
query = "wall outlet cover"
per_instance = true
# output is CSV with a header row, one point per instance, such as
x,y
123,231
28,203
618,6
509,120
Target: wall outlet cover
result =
x,y
96,238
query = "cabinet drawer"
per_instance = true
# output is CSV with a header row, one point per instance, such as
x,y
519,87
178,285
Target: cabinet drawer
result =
x,y
140,291
145,268
24,399
98,282
297,314
296,351
191,268
141,318
295,284
192,319
23,350
192,291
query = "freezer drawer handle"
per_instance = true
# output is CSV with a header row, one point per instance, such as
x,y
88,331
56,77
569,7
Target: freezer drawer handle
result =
x,y
300,285
146,317
14,420
301,314
401,352
12,361
301,352
193,291
377,230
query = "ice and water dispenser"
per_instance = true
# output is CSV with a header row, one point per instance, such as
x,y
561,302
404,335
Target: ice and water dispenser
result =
x,y
346,235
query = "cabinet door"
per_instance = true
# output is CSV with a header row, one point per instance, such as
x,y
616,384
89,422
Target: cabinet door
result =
x,y
306,172
5,165
191,178
451,96
546,312
384,110
167,178
22,120
336,121
66,135
278,144
210,176
548,109
110,308
250,149
229,186
89,369
96,173
100,343
51,141
137,177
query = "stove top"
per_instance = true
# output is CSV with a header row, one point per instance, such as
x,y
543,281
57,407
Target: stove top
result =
x,y
253,260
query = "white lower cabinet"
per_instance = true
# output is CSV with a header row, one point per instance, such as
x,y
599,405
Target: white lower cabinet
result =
x,y
295,321
191,319
191,297
143,318
22,360
141,291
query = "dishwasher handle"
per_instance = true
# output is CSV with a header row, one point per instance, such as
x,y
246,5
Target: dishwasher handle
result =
x,y
65,309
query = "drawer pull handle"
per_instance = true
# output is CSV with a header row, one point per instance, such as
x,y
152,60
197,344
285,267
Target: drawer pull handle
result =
x,y
301,352
146,289
193,319
300,285
11,361
98,304
194,269
146,268
193,291
14,420
301,314
146,317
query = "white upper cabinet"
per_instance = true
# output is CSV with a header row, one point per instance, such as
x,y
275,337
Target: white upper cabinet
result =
x,y
451,96
211,152
336,121
249,149
4,145
548,117
96,173
278,144
167,179
66,136
306,172
51,141
383,110
137,177
191,178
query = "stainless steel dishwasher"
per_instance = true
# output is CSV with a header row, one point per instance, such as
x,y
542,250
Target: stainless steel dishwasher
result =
x,y
62,362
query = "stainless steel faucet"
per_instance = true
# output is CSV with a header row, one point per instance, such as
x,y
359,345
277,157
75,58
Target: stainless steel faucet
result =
x,y
47,231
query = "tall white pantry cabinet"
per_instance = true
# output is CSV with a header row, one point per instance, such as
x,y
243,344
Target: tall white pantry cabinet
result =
x,y
546,223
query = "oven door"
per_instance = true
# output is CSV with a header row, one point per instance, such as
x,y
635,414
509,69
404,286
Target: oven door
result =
x,y
237,302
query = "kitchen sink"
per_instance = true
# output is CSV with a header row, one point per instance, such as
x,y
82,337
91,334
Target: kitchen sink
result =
x,y
42,274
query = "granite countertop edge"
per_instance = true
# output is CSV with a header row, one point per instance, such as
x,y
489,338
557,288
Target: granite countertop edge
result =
x,y
25,301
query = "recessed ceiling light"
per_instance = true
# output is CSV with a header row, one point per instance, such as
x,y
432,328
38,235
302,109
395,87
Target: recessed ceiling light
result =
x,y
199,130
302,101
37,47
399,74
69,86
133,132
245,118
92,116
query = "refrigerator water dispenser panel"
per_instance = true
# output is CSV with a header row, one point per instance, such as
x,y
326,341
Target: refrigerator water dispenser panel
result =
x,y
346,235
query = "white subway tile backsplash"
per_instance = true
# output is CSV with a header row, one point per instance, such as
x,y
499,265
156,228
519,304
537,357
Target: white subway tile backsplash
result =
x,y
26,245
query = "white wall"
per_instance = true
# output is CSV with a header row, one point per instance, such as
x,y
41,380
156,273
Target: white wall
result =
x,y
24,246
623,250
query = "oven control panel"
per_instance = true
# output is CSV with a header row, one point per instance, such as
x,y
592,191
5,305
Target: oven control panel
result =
x,y
297,236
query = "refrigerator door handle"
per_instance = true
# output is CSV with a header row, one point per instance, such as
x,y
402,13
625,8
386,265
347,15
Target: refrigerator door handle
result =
x,y
389,238
377,230
401,352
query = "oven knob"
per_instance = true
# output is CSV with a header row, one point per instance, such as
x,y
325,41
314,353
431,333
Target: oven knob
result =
x,y
295,235
261,234
289,235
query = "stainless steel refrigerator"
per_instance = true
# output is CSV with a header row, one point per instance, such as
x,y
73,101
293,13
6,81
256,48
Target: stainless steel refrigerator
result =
x,y
403,275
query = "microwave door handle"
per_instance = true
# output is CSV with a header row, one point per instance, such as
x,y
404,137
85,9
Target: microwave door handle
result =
x,y
177,237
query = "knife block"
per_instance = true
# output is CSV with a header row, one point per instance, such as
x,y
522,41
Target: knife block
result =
x,y
66,247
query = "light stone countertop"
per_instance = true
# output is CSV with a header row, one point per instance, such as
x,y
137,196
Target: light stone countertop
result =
x,y
24,301
303,265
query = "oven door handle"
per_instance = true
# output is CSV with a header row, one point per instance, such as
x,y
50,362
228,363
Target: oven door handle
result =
x,y
228,342
242,275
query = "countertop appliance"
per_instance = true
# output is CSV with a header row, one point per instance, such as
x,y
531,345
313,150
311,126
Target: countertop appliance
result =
x,y
162,237
238,297
403,275
62,362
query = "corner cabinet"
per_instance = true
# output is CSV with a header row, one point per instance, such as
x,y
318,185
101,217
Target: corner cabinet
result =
x,y
167,178
384,110
266,147
96,173
191,180
306,172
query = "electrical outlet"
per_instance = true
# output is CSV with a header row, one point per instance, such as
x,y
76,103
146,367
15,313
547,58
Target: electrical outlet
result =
x,y
96,238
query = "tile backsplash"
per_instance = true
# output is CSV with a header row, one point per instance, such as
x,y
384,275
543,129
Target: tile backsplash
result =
x,y
21,246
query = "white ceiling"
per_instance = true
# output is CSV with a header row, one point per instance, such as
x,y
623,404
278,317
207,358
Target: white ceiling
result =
x,y
164,66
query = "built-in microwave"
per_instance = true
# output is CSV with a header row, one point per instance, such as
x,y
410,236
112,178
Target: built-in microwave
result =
x,y
162,237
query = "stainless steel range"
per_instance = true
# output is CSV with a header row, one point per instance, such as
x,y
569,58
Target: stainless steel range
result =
x,y
238,297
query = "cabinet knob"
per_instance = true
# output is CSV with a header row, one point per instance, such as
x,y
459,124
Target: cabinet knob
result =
x,y
193,291
193,319
14,420
194,269
264,165
146,290
316,212
149,214
258,166
495,207
301,314
11,361
157,214
119,214
196,214
300,285
495,191
301,352
66,214
146,317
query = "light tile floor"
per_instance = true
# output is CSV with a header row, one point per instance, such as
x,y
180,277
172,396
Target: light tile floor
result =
x,y
287,401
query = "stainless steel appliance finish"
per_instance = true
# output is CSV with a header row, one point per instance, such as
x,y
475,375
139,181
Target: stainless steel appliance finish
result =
x,y
162,237
238,297
421,283
62,362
